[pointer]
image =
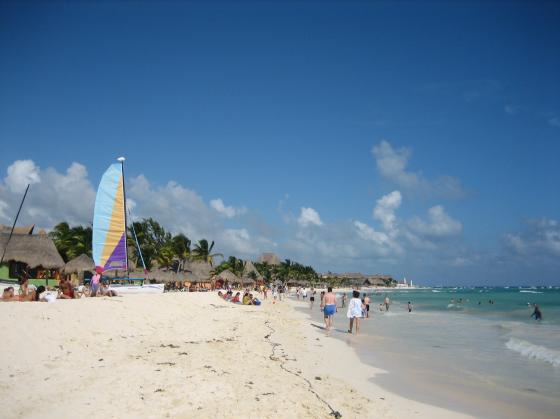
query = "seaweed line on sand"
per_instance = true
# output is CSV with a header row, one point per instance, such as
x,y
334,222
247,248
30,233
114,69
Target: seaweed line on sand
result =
x,y
273,357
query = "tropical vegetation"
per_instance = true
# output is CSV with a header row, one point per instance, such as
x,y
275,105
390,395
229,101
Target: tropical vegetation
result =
x,y
160,246
71,241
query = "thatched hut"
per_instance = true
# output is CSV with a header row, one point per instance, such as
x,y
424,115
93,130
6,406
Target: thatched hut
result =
x,y
249,268
78,266
36,254
229,276
33,250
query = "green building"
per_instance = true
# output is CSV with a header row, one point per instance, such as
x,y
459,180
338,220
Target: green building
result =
x,y
34,254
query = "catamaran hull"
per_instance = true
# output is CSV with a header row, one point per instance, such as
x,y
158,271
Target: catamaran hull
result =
x,y
138,289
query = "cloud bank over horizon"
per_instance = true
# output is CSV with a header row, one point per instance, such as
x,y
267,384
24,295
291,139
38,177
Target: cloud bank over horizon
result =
x,y
430,243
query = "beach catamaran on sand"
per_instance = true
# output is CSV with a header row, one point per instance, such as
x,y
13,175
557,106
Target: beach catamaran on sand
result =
x,y
109,242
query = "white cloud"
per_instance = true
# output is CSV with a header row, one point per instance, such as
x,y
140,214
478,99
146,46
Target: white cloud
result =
x,y
392,164
368,233
385,208
541,237
309,216
439,224
52,197
20,174
227,211
239,241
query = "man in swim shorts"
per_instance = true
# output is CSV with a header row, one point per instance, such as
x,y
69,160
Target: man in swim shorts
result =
x,y
330,308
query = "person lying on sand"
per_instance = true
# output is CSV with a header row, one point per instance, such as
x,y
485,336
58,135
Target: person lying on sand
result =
x,y
66,291
8,295
106,292
254,301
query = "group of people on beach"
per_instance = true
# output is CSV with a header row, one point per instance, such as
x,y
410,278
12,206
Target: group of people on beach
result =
x,y
64,291
246,300
358,308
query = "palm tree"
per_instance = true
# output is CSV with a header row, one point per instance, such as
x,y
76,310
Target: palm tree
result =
x,y
71,241
202,251
61,238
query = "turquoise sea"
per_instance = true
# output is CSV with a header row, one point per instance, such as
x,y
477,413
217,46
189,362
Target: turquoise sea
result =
x,y
474,350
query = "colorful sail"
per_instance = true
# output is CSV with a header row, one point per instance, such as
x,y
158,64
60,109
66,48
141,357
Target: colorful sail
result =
x,y
109,225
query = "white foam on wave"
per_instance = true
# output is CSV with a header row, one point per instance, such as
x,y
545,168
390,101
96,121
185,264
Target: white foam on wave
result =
x,y
537,352
531,292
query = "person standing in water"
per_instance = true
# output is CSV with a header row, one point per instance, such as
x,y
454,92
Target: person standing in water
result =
x,y
354,311
387,303
366,303
343,299
537,313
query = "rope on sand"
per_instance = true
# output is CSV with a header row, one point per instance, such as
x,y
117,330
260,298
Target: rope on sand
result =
x,y
273,357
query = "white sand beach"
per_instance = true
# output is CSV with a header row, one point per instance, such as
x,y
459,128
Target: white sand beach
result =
x,y
183,355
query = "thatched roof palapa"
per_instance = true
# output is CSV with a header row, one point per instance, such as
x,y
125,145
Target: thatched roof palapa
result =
x,y
197,271
229,276
33,250
79,264
17,230
248,268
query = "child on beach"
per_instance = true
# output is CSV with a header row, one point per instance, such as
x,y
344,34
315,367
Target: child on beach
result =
x,y
343,299
354,311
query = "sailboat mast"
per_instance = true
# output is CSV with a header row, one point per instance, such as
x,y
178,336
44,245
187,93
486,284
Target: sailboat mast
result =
x,y
14,225
122,159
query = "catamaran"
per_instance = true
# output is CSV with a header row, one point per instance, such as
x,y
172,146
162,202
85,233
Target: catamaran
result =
x,y
109,244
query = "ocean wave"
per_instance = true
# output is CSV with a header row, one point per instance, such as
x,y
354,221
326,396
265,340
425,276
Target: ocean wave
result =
x,y
540,353
531,292
436,291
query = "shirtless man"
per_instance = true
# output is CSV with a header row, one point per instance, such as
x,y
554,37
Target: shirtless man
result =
x,y
366,303
329,301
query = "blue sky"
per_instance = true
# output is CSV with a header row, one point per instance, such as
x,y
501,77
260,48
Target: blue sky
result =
x,y
413,139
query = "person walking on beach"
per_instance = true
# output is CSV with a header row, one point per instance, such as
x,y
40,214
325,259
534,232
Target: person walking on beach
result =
x,y
387,303
329,308
343,299
537,313
409,307
311,297
304,293
354,311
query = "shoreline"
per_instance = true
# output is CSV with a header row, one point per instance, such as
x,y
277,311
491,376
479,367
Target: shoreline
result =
x,y
425,380
184,355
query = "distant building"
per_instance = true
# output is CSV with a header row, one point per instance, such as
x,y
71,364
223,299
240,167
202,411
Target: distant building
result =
x,y
270,258
358,279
